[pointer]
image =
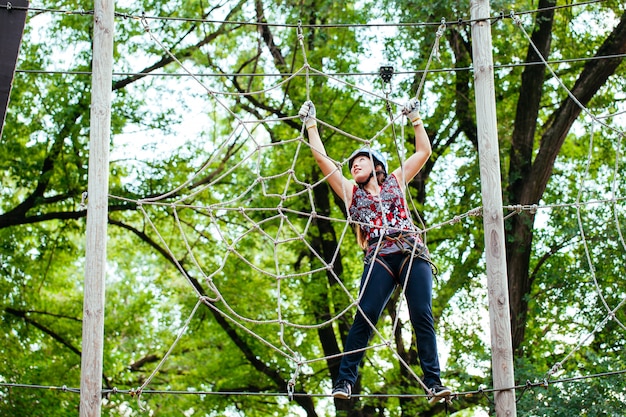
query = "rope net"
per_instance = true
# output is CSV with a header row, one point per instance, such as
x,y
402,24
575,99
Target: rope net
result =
x,y
263,230
272,216
261,226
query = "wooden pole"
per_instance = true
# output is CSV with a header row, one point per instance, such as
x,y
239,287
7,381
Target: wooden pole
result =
x,y
12,20
97,209
493,221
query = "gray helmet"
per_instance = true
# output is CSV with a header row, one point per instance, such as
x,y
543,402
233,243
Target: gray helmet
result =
x,y
375,155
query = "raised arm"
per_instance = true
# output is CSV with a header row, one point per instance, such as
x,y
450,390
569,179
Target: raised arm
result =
x,y
340,184
416,161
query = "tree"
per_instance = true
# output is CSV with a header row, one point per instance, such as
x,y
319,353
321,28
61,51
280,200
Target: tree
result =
x,y
157,274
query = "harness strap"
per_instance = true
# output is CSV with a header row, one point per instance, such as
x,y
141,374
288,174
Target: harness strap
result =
x,y
401,240
384,264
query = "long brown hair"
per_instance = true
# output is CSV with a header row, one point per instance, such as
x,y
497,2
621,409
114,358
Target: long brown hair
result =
x,y
361,236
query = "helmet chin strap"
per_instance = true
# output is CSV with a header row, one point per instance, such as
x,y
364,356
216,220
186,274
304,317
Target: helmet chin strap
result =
x,y
364,183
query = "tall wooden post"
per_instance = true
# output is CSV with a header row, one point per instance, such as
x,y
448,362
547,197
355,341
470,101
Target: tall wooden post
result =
x,y
97,209
12,20
493,219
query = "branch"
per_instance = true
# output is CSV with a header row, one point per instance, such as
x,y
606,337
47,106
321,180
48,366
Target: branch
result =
x,y
137,365
47,168
268,38
594,76
10,219
260,105
528,104
24,315
184,53
232,149
230,330
546,256
463,102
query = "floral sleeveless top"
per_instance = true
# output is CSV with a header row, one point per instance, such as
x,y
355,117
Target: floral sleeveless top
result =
x,y
387,215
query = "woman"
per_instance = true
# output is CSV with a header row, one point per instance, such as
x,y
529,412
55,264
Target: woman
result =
x,y
394,251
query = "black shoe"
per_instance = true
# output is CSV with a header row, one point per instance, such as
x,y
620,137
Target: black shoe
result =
x,y
438,392
342,390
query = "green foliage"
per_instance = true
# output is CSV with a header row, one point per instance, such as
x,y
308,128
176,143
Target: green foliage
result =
x,y
268,302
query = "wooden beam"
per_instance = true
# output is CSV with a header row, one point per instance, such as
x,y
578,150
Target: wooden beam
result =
x,y
97,210
493,218
12,20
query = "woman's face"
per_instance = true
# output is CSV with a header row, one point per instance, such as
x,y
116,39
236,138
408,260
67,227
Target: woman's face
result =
x,y
361,168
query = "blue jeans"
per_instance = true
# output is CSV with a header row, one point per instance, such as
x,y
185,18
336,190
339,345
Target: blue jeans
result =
x,y
374,297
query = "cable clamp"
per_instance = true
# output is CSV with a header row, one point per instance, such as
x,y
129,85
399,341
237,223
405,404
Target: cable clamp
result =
x,y
83,201
290,389
292,382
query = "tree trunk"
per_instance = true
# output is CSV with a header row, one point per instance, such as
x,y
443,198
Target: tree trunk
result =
x,y
528,179
520,233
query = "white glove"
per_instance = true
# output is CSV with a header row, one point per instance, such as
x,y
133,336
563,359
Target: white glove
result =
x,y
412,111
307,114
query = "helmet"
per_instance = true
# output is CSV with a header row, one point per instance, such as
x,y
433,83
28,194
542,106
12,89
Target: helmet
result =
x,y
369,152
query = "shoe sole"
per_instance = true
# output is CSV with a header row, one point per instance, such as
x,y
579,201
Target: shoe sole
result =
x,y
439,396
341,395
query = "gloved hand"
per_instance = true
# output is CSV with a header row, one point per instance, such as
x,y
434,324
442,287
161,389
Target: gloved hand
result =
x,y
412,111
307,114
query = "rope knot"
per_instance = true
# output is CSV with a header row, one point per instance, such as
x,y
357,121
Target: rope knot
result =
x,y
441,28
515,18
555,368
475,212
144,22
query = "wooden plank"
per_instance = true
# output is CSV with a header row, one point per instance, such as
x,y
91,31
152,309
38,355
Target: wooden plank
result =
x,y
12,20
